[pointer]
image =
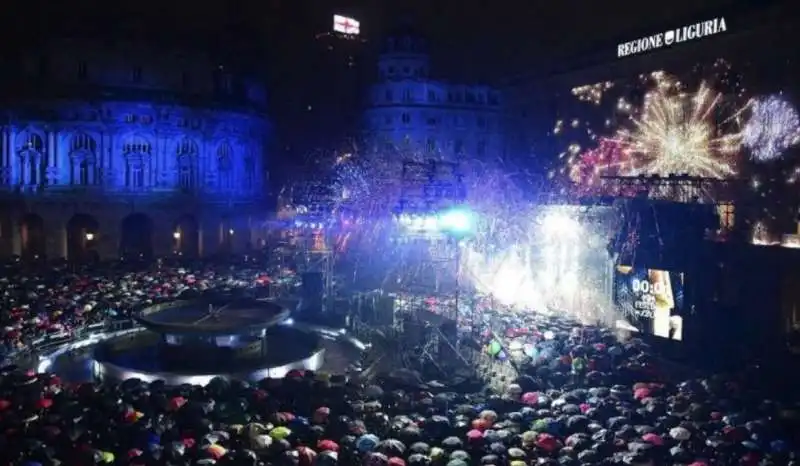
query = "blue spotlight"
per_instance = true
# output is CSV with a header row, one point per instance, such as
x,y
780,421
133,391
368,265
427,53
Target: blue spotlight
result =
x,y
458,221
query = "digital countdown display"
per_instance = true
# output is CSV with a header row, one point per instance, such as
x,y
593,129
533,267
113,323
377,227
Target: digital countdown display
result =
x,y
650,301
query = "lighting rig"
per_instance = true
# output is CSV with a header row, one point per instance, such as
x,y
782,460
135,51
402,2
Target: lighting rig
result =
x,y
431,223
311,225
662,213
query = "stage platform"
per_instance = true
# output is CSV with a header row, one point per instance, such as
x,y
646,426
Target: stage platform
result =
x,y
193,341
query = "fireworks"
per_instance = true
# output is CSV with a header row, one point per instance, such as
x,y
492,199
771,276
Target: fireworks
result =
x,y
607,159
773,127
677,133
592,93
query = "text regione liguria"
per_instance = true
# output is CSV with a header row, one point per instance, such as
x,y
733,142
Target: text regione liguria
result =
x,y
673,36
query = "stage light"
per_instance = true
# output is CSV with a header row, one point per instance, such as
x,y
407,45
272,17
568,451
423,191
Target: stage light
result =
x,y
457,221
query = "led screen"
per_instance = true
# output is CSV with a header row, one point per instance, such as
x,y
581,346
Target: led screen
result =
x,y
716,119
650,301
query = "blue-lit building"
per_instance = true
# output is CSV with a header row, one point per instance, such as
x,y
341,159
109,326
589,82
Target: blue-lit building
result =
x,y
126,148
410,110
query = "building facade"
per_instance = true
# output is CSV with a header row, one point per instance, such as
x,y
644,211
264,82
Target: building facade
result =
x,y
537,99
111,149
408,109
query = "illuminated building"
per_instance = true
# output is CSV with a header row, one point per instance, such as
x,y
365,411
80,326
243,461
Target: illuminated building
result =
x,y
546,102
127,149
411,110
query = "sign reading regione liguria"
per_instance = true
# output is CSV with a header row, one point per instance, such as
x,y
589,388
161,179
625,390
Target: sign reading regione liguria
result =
x,y
673,36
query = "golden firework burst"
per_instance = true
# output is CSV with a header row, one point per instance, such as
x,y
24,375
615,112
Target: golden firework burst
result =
x,y
682,133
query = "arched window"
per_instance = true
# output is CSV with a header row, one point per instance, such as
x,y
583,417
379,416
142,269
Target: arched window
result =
x,y
225,166
31,154
83,159
187,165
136,150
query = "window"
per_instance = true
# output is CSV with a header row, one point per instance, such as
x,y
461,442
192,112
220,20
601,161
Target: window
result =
x,y
431,121
387,120
84,178
481,148
406,118
391,71
493,99
187,156
82,150
83,71
389,96
136,74
406,70
135,175
458,147
407,95
430,145
431,96
481,122
185,178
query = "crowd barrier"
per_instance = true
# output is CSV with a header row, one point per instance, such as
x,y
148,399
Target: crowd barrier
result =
x,y
50,343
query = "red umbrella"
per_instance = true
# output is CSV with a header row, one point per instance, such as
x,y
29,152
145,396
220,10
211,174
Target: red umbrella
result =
x,y
176,403
327,445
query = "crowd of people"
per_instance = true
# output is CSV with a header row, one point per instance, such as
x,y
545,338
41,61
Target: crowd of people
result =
x,y
582,398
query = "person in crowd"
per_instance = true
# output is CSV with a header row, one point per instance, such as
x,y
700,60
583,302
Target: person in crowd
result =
x,y
616,405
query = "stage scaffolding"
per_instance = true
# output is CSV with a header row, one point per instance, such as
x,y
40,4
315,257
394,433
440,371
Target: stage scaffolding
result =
x,y
309,235
426,279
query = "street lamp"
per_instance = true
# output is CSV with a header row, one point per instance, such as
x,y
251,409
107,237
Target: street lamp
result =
x,y
230,231
89,236
176,235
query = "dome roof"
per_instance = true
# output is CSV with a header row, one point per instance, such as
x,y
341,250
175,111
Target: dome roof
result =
x,y
404,38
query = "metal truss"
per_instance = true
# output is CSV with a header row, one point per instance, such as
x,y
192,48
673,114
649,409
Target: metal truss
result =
x,y
428,275
316,257
674,188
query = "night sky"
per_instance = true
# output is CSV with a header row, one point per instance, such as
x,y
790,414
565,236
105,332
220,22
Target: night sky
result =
x,y
476,39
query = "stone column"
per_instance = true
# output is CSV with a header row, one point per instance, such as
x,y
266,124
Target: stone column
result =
x,y
16,237
6,149
51,148
13,161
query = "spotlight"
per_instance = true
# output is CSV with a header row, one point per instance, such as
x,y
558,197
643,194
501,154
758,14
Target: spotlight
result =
x,y
457,221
